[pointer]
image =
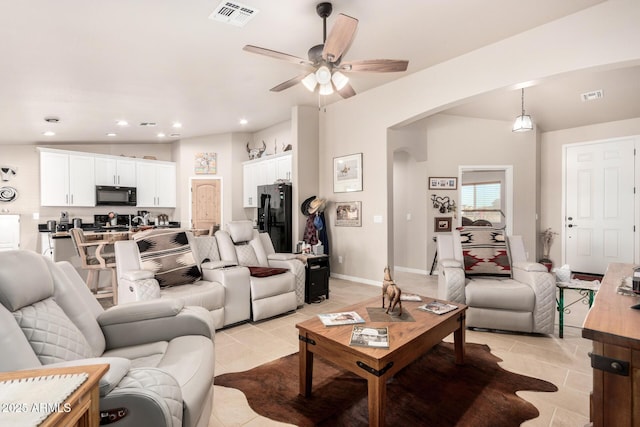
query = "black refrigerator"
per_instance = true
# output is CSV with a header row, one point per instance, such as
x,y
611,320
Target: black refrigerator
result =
x,y
274,215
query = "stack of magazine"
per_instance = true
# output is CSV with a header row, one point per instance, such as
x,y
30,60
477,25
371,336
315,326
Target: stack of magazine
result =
x,y
344,318
437,307
363,336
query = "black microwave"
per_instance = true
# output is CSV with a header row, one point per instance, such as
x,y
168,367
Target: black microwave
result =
x,y
115,196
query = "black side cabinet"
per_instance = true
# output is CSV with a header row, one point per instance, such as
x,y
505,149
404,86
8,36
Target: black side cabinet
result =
x,y
316,278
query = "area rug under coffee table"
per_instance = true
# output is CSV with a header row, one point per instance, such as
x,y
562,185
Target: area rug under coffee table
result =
x,y
432,391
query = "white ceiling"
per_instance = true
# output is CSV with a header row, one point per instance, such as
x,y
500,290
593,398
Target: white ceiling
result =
x,y
91,63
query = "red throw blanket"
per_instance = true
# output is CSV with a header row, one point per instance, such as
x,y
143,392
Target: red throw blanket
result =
x,y
265,271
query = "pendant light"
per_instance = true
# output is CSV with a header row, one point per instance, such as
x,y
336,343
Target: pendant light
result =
x,y
523,122
324,77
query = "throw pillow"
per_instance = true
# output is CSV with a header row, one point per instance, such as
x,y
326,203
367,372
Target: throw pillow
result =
x,y
484,251
168,254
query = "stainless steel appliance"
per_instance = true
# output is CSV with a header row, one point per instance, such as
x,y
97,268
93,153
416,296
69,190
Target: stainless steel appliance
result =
x,y
275,213
115,196
52,225
77,222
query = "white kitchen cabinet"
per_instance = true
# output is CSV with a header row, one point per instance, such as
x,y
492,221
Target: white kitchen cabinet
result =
x,y
156,183
263,172
9,232
66,179
250,188
117,172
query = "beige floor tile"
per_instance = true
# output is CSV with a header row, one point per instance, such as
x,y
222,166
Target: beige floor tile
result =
x,y
561,361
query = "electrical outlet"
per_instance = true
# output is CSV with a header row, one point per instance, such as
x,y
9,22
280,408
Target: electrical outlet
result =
x,y
339,259
409,217
36,215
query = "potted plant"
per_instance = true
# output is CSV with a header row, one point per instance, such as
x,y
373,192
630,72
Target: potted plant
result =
x,y
547,239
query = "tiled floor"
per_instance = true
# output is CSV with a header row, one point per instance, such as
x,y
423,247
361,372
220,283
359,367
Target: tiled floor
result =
x,y
563,362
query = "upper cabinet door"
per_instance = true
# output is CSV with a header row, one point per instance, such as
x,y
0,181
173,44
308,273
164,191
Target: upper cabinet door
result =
x,y
54,179
82,183
126,173
105,171
146,183
166,185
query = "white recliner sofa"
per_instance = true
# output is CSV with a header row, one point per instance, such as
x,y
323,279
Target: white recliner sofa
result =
x,y
175,264
161,353
275,278
488,271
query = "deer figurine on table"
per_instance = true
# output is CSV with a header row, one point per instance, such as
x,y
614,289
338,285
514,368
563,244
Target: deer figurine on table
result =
x,y
392,291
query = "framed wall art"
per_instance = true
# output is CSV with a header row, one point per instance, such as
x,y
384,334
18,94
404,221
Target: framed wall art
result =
x,y
347,173
206,163
348,214
440,183
442,224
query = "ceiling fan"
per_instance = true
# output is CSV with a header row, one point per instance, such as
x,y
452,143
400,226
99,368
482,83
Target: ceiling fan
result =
x,y
325,68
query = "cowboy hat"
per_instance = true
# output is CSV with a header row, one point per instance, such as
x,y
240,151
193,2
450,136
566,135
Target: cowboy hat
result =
x,y
317,205
304,207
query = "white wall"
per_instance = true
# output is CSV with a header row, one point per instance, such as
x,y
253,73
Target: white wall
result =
x,y
605,34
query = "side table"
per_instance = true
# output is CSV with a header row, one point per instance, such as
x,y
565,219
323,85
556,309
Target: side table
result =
x,y
586,291
81,408
317,274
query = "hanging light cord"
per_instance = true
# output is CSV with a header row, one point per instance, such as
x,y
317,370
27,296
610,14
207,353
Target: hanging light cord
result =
x,y
522,99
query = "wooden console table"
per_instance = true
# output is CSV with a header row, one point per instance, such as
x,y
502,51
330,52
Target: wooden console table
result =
x,y
81,408
614,328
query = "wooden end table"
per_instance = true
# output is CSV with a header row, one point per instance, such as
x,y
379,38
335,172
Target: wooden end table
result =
x,y
84,402
407,342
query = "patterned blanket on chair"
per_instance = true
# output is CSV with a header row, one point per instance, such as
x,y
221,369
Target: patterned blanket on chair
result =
x,y
484,251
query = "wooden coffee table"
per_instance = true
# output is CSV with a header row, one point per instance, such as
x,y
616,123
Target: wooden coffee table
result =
x,y
407,342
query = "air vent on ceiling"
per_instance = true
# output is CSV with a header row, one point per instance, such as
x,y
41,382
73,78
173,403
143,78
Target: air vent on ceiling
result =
x,y
233,13
147,124
592,96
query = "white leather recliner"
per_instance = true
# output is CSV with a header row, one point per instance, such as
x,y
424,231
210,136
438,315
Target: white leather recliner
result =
x,y
503,290
274,277
161,353
223,288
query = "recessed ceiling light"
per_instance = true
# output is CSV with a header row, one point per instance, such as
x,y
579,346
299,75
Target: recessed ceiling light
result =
x,y
122,123
161,135
48,133
177,125
244,121
111,134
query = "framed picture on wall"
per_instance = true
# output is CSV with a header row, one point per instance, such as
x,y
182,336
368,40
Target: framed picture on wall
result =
x,y
442,224
206,163
349,214
347,173
443,183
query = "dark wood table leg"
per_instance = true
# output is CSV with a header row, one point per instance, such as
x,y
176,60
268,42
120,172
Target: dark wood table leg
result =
x,y
458,340
305,367
377,398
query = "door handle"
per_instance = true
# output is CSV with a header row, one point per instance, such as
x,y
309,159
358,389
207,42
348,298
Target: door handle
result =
x,y
571,225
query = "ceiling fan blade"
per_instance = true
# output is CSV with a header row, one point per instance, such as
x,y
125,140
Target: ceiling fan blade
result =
x,y
347,91
340,38
276,55
375,65
286,85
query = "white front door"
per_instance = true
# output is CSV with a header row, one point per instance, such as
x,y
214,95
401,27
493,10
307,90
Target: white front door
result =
x,y
599,211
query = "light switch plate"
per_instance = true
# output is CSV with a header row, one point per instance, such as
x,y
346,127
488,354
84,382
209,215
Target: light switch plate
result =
x,y
377,219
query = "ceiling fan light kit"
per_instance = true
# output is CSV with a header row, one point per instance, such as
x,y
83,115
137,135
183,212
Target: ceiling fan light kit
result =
x,y
523,122
325,60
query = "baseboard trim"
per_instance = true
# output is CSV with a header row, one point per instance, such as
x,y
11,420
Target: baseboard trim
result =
x,y
357,279
410,270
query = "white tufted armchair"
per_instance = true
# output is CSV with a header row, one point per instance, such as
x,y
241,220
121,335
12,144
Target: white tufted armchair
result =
x,y
488,271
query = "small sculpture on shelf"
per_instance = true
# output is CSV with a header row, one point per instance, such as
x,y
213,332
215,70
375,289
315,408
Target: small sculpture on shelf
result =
x,y
256,153
392,291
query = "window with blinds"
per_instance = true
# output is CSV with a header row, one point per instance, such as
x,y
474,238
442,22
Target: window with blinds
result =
x,y
482,201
